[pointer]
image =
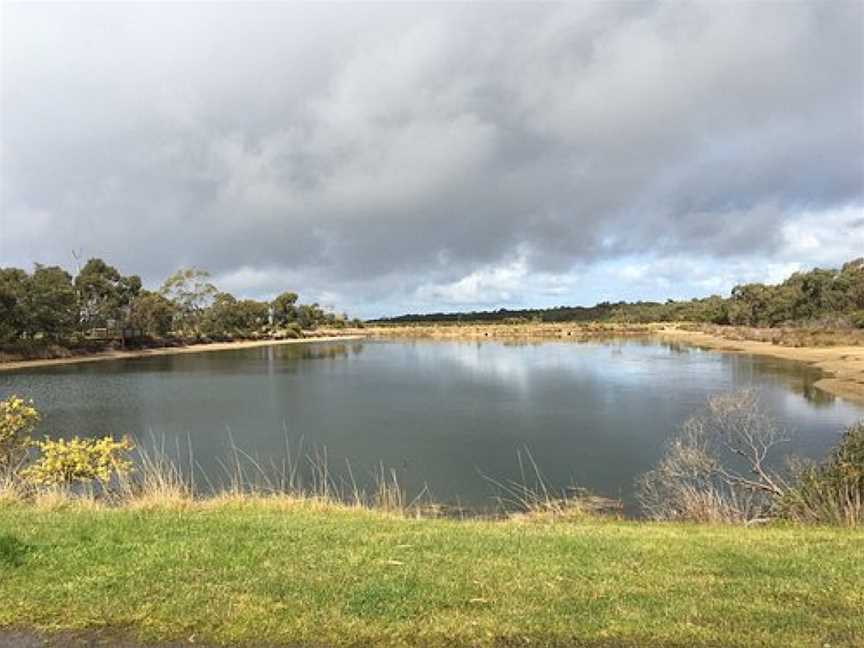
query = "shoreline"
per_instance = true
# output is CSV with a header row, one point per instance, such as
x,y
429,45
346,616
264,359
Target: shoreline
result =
x,y
159,351
842,366
546,331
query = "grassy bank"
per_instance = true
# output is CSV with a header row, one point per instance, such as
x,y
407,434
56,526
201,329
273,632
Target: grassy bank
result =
x,y
283,572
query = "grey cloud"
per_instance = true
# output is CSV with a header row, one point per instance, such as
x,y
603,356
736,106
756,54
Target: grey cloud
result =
x,y
373,149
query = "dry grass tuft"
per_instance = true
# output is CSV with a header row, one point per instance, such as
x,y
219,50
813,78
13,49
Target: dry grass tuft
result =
x,y
532,499
788,336
10,490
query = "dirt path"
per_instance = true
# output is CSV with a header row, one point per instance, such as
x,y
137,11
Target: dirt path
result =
x,y
843,365
144,353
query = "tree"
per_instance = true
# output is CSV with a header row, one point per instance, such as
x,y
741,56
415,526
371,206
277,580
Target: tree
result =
x,y
251,316
152,313
51,302
853,273
191,293
748,305
309,315
228,316
714,309
852,276
220,317
104,294
284,308
13,307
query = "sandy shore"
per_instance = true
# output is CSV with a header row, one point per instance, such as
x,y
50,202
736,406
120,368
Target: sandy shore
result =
x,y
529,331
843,365
194,348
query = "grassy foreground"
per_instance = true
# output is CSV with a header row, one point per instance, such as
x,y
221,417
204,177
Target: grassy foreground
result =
x,y
257,572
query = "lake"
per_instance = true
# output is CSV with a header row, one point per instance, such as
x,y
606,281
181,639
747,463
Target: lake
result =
x,y
441,413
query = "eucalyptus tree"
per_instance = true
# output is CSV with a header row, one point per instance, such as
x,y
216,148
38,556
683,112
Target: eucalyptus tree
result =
x,y
191,292
151,313
51,303
104,295
284,308
229,316
13,306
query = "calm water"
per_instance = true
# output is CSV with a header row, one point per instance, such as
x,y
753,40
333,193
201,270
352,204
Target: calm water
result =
x,y
441,413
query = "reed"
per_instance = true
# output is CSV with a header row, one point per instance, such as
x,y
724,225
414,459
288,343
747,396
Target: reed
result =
x,y
171,478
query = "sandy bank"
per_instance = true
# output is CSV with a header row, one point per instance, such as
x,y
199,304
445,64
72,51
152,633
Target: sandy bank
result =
x,y
538,330
194,348
843,365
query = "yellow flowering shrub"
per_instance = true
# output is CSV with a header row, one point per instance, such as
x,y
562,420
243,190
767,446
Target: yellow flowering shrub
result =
x,y
79,460
18,418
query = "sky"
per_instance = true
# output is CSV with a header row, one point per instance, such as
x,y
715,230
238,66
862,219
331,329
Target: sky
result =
x,y
391,158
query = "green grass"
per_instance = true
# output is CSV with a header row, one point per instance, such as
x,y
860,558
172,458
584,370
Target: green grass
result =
x,y
295,574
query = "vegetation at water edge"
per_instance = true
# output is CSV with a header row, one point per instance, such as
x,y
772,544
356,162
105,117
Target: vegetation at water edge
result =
x,y
49,306
823,297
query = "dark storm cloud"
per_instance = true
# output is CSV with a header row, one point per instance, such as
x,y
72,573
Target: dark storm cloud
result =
x,y
378,151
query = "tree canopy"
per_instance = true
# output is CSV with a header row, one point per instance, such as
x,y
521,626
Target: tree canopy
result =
x,y
49,304
104,295
826,296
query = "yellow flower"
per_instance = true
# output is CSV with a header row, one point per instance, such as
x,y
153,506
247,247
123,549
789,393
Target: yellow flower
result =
x,y
18,418
79,460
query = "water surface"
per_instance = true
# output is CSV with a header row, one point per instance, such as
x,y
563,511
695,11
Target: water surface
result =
x,y
441,413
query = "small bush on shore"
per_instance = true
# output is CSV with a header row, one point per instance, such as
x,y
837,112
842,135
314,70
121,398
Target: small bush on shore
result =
x,y
717,468
59,462
64,462
18,418
831,492
291,330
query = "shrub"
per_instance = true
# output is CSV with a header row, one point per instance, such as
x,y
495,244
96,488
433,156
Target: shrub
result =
x,y
18,418
699,477
292,330
831,492
79,460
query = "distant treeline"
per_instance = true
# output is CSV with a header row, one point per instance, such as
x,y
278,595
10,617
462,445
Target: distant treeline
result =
x,y
828,297
49,304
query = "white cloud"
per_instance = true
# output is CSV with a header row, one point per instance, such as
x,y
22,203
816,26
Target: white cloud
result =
x,y
494,284
824,238
410,157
